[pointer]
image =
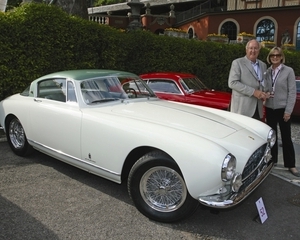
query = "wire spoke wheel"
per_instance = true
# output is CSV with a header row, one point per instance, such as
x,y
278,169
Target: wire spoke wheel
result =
x,y
16,134
163,189
158,190
16,137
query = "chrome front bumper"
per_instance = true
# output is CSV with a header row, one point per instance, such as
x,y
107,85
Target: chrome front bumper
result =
x,y
218,201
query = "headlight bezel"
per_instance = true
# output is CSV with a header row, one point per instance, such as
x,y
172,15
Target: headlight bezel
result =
x,y
271,137
228,169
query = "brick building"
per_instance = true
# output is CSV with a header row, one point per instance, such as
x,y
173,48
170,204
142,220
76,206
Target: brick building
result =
x,y
275,21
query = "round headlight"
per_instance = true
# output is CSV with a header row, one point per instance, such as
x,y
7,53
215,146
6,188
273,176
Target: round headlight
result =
x,y
272,137
228,168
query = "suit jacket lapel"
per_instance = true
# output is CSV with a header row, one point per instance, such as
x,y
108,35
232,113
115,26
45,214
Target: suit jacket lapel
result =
x,y
248,64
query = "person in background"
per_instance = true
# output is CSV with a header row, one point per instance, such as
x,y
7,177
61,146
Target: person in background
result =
x,y
280,85
246,78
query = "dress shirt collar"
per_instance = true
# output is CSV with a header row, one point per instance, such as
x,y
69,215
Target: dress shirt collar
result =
x,y
277,68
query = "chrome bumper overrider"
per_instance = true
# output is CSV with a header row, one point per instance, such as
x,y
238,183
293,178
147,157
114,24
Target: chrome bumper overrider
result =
x,y
216,201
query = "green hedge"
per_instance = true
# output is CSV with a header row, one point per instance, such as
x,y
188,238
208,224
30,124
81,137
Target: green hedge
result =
x,y
37,39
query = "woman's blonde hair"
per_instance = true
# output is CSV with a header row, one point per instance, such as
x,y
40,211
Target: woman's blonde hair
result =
x,y
279,52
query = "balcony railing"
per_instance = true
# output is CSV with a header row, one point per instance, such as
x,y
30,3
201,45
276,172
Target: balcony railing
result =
x,y
232,5
206,7
99,19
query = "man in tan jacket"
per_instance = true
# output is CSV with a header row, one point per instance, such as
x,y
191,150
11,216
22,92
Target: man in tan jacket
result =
x,y
246,79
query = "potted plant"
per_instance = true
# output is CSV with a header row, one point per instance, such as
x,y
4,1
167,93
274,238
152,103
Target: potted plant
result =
x,y
268,44
175,32
288,46
244,37
214,37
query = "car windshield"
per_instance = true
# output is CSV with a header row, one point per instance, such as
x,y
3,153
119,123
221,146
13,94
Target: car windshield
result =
x,y
105,89
191,85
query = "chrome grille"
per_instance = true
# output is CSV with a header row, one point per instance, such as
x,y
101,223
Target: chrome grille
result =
x,y
254,166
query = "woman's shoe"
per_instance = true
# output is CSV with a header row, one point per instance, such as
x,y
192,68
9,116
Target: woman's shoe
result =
x,y
297,174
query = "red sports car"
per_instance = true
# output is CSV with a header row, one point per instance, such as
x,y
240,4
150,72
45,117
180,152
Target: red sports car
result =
x,y
296,111
186,88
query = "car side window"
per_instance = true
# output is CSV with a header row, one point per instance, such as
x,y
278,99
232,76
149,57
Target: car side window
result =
x,y
54,89
163,86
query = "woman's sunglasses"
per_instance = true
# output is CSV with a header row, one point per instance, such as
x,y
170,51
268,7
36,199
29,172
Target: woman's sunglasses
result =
x,y
275,55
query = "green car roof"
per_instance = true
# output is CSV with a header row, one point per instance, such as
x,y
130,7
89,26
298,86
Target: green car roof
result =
x,y
83,74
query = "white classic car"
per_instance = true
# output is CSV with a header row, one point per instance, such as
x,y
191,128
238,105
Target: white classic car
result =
x,y
172,155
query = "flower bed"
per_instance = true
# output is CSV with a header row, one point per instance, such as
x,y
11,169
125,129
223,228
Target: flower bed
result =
x,y
290,47
175,32
244,37
268,44
217,38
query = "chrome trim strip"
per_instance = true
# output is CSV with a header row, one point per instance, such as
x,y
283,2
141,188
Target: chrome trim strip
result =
x,y
71,157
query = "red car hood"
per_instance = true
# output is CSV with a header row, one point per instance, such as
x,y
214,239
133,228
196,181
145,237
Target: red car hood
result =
x,y
210,98
213,94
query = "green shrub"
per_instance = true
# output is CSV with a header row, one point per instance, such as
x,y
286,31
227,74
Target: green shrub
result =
x,y
37,39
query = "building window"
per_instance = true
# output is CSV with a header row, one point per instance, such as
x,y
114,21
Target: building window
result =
x,y
191,33
265,30
229,29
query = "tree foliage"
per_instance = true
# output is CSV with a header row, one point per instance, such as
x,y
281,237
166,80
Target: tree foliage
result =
x,y
37,39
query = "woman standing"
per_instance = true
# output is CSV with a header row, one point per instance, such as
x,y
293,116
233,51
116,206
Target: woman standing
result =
x,y
281,87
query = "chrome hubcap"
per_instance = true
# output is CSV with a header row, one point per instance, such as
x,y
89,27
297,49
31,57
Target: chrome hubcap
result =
x,y
163,189
16,134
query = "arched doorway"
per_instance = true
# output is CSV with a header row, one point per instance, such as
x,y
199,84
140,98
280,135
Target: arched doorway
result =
x,y
229,28
191,33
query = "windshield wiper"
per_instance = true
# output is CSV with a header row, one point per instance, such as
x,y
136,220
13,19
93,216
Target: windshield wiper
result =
x,y
105,100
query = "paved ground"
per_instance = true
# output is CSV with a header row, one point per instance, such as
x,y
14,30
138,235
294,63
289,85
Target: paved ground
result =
x,y
42,198
282,172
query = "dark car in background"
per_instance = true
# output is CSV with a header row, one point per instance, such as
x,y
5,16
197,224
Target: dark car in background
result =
x,y
186,88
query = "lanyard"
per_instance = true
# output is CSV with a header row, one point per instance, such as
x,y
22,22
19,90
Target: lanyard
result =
x,y
274,78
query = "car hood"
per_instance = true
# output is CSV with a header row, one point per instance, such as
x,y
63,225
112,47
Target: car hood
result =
x,y
222,96
188,118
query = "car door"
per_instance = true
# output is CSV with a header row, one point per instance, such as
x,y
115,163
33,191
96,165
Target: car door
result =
x,y
55,117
